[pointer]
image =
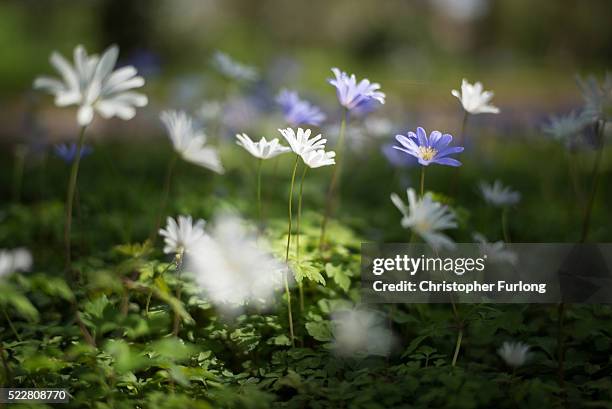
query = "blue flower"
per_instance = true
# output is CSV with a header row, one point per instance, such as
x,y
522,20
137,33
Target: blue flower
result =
x,y
359,97
297,111
67,152
434,149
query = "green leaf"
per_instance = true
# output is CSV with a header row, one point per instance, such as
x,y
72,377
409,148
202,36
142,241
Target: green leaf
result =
x,y
305,269
338,275
320,330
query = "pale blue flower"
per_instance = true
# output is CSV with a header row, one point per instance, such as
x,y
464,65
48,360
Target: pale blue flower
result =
x,y
298,111
356,97
67,151
432,149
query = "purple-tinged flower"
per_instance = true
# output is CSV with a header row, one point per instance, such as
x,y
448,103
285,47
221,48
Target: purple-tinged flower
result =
x,y
297,111
356,97
67,151
434,149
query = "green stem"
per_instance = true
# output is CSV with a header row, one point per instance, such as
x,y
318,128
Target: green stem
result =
x,y
74,173
586,223
297,239
466,114
8,319
287,252
504,221
179,287
422,181
259,192
164,198
457,346
331,192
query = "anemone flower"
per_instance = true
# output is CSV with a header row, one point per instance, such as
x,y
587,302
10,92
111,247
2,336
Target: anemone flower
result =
x,y
232,69
352,94
566,128
92,84
514,354
262,150
359,333
67,151
317,159
496,252
232,266
474,99
301,142
189,141
181,235
11,261
297,111
426,218
499,195
430,150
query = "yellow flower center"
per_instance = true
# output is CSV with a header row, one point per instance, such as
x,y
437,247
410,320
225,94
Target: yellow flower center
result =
x,y
427,153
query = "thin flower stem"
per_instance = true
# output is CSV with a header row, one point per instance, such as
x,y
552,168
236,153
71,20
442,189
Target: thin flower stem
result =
x,y
461,140
422,181
504,222
179,287
457,346
164,198
10,323
287,252
74,173
297,239
586,223
259,217
331,192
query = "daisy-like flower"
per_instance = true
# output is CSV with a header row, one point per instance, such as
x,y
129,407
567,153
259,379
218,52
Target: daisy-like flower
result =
x,y
181,235
297,111
189,141
496,252
597,98
515,354
566,128
354,96
93,85
232,69
232,267
474,99
67,151
317,159
426,218
11,261
499,195
434,149
263,149
301,142
360,332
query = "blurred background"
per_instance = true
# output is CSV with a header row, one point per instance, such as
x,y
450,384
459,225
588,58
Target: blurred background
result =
x,y
527,52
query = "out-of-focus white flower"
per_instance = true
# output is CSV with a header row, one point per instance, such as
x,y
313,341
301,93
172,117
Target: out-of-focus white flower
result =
x,y
301,142
515,354
232,68
498,194
209,111
317,159
92,85
263,149
11,261
496,252
426,218
597,98
360,332
474,99
181,235
189,141
231,266
566,128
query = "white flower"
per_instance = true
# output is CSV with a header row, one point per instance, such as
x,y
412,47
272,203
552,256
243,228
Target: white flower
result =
x,y
182,236
189,141
498,194
231,266
232,68
263,149
426,218
495,252
19,259
92,85
317,159
566,128
474,99
209,110
515,354
360,332
300,142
